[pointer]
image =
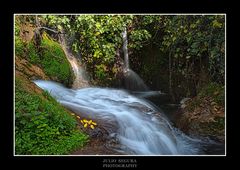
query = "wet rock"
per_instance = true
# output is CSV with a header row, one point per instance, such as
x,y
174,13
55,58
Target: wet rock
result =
x,y
183,102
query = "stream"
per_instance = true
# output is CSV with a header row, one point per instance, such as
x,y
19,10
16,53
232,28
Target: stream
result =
x,y
138,126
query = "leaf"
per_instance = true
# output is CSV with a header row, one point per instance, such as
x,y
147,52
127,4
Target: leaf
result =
x,y
98,25
97,33
174,38
192,25
217,24
59,27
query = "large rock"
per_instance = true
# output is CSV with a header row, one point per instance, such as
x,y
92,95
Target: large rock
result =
x,y
203,118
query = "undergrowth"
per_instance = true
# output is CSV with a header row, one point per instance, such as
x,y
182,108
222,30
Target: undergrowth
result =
x,y
42,125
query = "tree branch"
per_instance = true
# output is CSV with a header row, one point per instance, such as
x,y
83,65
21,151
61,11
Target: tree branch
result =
x,y
49,29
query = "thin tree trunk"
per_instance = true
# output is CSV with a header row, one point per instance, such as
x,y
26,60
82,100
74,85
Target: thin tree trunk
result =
x,y
37,35
170,74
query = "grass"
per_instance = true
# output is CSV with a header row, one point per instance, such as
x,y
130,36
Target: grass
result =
x,y
42,125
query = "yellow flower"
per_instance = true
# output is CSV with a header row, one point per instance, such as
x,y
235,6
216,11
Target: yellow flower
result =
x,y
89,122
85,121
92,126
72,114
94,123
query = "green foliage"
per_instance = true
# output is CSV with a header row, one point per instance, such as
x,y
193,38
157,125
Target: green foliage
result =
x,y
26,50
100,36
194,39
17,26
137,37
19,44
42,126
32,53
100,71
19,47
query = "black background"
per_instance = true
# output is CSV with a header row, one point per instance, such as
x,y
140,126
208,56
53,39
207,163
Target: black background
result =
x,y
113,6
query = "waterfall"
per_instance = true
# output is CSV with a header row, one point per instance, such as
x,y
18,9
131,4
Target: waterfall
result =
x,y
78,69
125,49
138,126
132,81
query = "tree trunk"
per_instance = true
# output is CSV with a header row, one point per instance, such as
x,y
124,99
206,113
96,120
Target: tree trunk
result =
x,y
170,75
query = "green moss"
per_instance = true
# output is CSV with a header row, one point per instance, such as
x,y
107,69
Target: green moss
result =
x,y
42,125
50,57
54,61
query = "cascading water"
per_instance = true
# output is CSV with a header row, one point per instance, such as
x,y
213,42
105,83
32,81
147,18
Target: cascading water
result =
x,y
139,127
125,49
131,79
133,82
80,75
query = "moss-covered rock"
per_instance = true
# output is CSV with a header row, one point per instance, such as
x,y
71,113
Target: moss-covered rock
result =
x,y
49,56
54,61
